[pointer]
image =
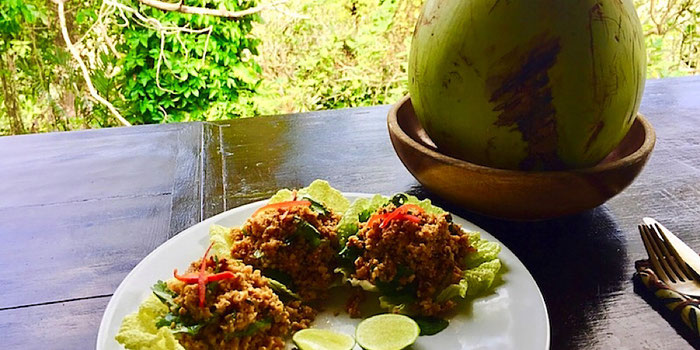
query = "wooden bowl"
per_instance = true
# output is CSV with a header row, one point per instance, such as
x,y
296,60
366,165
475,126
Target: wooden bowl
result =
x,y
513,194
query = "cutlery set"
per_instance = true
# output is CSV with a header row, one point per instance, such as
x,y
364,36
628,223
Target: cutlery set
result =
x,y
671,273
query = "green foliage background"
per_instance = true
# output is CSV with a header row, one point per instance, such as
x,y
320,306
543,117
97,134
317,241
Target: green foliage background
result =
x,y
306,55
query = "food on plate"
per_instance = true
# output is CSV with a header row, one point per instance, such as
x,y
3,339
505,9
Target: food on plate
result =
x,y
217,303
293,242
257,284
387,332
322,339
413,255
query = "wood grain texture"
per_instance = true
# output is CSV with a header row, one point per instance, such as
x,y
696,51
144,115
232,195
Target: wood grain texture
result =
x,y
82,209
77,215
61,326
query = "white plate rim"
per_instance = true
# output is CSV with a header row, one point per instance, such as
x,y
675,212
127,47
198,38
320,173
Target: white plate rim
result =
x,y
103,336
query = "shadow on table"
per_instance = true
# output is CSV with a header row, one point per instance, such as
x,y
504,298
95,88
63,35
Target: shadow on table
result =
x,y
579,262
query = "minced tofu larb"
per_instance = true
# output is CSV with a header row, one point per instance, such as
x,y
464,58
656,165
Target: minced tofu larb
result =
x,y
240,312
411,252
296,242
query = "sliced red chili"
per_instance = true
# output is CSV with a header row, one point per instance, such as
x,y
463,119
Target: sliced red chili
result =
x,y
401,213
375,218
409,217
220,276
189,278
279,205
202,280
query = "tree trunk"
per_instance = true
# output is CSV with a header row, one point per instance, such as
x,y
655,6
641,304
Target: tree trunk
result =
x,y
10,95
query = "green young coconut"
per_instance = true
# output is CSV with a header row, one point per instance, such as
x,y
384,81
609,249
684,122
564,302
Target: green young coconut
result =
x,y
527,84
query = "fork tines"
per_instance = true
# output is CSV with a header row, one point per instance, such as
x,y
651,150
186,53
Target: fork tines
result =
x,y
663,257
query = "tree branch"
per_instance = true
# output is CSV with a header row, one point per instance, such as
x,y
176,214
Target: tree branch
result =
x,y
180,7
86,74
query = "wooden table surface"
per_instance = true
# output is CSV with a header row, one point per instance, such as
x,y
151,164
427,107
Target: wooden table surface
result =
x,y
79,210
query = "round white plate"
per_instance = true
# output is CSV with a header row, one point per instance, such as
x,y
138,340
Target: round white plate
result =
x,y
513,316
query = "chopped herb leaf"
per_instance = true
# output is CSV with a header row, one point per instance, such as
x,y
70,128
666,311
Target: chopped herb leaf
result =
x,y
179,324
430,325
217,268
394,290
316,206
211,286
281,290
348,255
253,328
364,215
258,254
306,231
279,276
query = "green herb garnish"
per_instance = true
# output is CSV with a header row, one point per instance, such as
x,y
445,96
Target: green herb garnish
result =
x,y
364,215
253,328
348,255
316,206
173,320
430,325
306,231
398,199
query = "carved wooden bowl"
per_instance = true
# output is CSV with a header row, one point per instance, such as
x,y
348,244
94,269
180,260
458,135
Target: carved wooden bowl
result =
x,y
513,194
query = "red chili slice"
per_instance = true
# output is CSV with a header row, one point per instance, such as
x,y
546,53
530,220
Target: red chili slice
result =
x,y
189,278
202,280
288,204
401,213
220,276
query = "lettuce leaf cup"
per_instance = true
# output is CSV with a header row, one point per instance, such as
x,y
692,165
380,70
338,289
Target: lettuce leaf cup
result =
x,y
293,239
413,255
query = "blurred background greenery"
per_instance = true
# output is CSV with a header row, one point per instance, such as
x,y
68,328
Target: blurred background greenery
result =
x,y
144,65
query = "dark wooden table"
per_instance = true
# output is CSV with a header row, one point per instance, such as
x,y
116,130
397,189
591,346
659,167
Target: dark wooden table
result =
x,y
79,210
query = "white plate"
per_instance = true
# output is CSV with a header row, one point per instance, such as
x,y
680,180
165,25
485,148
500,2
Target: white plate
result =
x,y
514,316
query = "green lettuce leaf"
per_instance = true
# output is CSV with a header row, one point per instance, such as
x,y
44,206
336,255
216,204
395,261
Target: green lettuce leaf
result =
x,y
221,238
480,278
138,330
485,250
319,191
364,284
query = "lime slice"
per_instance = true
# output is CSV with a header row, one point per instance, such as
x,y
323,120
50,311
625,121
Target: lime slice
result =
x,y
387,332
322,339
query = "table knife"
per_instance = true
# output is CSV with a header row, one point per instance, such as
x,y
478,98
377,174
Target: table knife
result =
x,y
691,258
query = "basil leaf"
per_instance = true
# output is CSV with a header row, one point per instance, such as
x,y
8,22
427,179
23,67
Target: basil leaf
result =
x,y
430,325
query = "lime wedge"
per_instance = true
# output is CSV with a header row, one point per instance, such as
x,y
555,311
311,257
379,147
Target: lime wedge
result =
x,y
322,339
387,332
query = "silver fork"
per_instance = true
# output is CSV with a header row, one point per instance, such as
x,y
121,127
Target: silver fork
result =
x,y
667,264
